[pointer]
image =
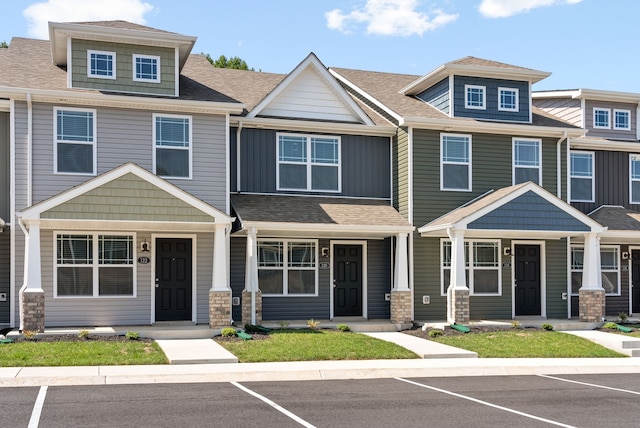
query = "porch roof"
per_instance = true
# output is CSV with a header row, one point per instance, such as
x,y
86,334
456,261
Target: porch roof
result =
x,y
308,216
623,224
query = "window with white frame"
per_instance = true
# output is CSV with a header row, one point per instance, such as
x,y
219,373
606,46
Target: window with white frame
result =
x,y
172,151
634,178
526,161
101,64
609,267
622,120
146,68
508,99
581,173
475,97
75,141
482,266
455,162
601,118
287,267
94,265
308,162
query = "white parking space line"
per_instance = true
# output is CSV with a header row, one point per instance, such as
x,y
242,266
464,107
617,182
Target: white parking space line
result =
x,y
275,406
591,384
37,408
495,406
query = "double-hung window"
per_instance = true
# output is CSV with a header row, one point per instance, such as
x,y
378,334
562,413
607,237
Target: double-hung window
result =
x,y
475,97
74,132
508,99
172,141
308,162
634,178
581,173
94,265
455,162
622,120
609,268
526,161
602,118
146,68
482,266
101,64
288,267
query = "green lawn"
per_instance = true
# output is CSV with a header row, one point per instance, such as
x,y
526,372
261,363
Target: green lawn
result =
x,y
312,345
89,353
528,344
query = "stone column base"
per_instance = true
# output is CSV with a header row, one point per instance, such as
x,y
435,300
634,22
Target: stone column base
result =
x,y
219,308
592,305
457,305
401,306
246,307
33,311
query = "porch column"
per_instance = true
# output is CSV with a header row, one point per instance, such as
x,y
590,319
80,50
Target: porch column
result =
x,y
31,292
251,295
401,294
220,293
591,294
457,292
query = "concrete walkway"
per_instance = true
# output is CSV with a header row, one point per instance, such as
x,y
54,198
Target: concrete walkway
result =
x,y
423,348
623,344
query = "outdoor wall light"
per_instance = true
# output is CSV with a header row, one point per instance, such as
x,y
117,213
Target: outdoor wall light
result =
x,y
145,247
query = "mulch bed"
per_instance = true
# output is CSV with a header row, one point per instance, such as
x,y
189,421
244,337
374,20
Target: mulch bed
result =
x,y
448,331
75,338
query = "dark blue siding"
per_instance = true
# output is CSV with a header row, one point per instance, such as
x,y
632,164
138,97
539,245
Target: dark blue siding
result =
x,y
438,96
237,258
379,278
529,212
491,112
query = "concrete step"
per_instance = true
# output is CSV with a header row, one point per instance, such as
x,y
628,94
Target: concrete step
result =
x,y
631,344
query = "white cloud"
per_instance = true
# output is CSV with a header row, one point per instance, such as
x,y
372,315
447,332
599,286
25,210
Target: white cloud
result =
x,y
389,18
506,8
39,14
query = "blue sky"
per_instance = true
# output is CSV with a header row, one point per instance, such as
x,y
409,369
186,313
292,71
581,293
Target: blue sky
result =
x,y
583,43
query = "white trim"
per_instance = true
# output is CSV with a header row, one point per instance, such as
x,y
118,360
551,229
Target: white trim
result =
x,y
93,143
410,175
70,64
469,138
470,268
90,73
13,295
630,249
543,276
593,176
631,180
615,122
617,271
539,155
285,268
466,97
189,148
597,110
365,274
134,68
515,108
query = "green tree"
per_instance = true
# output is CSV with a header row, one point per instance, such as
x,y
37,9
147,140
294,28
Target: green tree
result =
x,y
235,62
3,44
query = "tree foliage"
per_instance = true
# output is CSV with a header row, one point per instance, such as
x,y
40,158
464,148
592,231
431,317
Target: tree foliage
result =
x,y
235,62
3,44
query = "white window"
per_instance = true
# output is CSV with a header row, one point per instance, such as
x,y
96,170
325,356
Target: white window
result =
x,y
508,99
146,68
288,267
609,267
172,141
581,174
482,266
74,138
455,162
475,97
101,64
601,118
622,120
634,178
308,162
94,265
526,161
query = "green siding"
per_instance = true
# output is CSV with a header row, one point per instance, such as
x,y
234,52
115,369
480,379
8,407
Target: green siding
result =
x,y
124,68
556,264
401,172
427,280
128,198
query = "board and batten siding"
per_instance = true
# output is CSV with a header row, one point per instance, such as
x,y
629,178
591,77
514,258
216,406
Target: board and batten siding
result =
x,y
629,135
567,109
237,264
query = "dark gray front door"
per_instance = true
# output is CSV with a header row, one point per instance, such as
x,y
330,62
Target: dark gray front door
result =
x,y
173,279
635,281
347,279
527,276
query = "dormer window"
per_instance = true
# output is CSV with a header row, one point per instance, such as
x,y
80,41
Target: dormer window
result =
x,y
622,120
475,97
508,99
101,64
146,68
601,118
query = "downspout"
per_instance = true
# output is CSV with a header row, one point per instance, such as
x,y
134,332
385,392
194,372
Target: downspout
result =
x,y
238,135
25,278
559,164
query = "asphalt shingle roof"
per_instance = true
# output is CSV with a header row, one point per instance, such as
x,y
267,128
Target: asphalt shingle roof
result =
x,y
617,218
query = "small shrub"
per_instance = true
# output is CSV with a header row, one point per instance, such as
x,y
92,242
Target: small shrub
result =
x,y
29,334
547,326
283,324
83,334
313,324
516,324
435,333
610,325
132,335
228,332
623,316
250,328
343,327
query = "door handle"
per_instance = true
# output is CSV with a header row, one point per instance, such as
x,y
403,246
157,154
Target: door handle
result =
x,y
157,282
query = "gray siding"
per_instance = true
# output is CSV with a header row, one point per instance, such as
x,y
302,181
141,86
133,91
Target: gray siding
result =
x,y
567,109
204,276
491,90
610,133
5,275
438,96
20,195
4,166
379,278
365,164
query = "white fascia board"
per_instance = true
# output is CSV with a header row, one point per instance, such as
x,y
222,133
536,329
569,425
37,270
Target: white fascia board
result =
x,y
603,144
313,126
599,95
506,234
321,228
571,93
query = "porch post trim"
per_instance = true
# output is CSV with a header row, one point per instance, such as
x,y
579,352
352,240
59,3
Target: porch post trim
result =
x,y
591,271
401,272
220,259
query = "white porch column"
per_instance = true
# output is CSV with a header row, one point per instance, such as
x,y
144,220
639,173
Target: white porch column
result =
x,y
591,271
251,280
401,272
457,292
32,266
220,259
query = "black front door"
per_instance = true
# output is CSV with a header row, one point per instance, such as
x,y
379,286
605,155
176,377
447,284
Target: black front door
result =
x,y
347,280
527,276
173,279
635,281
